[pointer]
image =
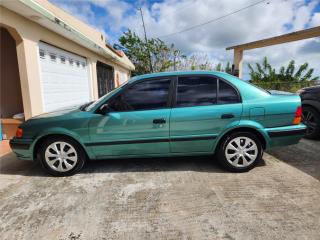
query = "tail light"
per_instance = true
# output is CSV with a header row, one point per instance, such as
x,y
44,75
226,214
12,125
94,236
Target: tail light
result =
x,y
19,133
298,116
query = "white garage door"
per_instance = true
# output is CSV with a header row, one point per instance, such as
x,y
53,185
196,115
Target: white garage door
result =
x,y
64,78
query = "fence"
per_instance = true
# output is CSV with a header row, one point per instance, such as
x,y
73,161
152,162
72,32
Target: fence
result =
x,y
286,86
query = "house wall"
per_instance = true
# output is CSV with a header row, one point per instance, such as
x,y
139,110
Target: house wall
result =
x,y
121,75
29,34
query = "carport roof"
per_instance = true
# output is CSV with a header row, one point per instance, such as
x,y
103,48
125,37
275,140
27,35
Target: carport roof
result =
x,y
289,37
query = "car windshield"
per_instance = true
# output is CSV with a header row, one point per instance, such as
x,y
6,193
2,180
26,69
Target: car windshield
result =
x,y
93,104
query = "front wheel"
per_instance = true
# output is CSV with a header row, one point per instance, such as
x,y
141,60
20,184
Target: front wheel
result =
x,y
240,152
61,156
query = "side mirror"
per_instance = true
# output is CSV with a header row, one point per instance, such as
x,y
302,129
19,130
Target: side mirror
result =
x,y
104,109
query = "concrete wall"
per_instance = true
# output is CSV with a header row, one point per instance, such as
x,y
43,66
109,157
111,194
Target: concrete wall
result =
x,y
29,34
10,89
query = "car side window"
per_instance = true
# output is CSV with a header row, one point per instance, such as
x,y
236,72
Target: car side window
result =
x,y
146,95
227,93
196,91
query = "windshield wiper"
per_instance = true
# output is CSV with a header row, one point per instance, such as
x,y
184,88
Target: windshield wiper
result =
x,y
84,106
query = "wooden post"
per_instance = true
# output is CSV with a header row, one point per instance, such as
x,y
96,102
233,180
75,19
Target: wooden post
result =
x,y
237,61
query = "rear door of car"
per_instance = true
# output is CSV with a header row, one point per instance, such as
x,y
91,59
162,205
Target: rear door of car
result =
x,y
203,107
137,122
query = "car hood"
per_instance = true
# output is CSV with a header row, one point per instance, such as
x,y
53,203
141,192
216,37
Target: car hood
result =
x,y
58,113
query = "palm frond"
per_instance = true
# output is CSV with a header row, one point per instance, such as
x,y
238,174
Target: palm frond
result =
x,y
290,68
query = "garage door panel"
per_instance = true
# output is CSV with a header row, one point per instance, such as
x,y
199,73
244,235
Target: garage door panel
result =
x,y
64,78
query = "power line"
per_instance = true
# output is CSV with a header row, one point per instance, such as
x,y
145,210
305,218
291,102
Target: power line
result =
x,y
212,20
145,38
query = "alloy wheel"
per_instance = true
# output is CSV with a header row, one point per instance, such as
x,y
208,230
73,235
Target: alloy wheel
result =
x,y
241,151
309,120
61,156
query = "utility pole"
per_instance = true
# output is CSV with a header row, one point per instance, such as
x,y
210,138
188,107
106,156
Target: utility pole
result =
x,y
145,38
174,63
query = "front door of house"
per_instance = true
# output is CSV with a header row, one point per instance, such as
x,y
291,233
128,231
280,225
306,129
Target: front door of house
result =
x,y
105,77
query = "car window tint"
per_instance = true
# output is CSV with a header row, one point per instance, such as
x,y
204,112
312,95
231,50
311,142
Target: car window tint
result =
x,y
152,94
227,94
196,91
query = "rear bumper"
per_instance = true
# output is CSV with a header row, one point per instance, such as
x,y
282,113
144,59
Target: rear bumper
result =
x,y
22,148
282,136
287,133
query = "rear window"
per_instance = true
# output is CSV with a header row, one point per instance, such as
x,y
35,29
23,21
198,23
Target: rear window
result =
x,y
196,91
227,93
253,85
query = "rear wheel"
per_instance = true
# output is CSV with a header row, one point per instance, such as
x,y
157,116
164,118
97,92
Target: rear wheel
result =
x,y
311,118
61,156
240,152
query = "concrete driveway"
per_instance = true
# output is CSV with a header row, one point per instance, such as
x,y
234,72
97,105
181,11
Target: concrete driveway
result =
x,y
181,198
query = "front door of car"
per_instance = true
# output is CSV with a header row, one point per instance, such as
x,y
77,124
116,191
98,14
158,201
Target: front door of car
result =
x,y
204,107
137,121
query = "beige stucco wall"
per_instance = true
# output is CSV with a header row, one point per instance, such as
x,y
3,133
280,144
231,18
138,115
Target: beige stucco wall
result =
x,y
29,69
121,75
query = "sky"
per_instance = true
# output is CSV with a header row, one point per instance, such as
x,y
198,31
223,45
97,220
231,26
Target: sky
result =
x,y
163,17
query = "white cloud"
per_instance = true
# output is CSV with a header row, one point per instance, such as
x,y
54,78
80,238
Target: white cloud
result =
x,y
315,21
258,22
116,11
82,11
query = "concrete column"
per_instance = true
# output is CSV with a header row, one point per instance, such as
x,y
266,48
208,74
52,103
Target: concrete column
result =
x,y
237,61
93,78
29,71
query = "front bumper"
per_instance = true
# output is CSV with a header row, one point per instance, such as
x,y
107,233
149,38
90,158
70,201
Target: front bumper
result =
x,y
22,148
282,136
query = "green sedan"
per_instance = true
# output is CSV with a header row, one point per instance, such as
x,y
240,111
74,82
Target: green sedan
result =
x,y
165,114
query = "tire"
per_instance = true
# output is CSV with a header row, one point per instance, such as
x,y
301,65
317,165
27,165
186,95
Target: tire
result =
x,y
236,159
311,118
61,163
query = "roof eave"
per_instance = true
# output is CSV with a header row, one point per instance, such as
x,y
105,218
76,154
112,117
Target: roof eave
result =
x,y
76,35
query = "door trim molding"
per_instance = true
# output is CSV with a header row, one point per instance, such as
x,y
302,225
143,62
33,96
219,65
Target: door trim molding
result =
x,y
174,139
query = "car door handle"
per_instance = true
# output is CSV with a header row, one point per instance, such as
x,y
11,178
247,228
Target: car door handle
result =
x,y
227,115
159,121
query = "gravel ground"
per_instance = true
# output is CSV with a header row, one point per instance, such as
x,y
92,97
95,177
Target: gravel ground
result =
x,y
173,198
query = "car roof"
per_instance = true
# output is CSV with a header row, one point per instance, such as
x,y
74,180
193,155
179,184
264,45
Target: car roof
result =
x,y
247,90
312,88
178,73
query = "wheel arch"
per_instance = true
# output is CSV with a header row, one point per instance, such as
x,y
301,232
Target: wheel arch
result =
x,y
252,130
311,103
41,139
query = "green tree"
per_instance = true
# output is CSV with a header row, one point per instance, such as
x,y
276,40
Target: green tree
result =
x,y
162,56
228,68
286,79
218,67
197,61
